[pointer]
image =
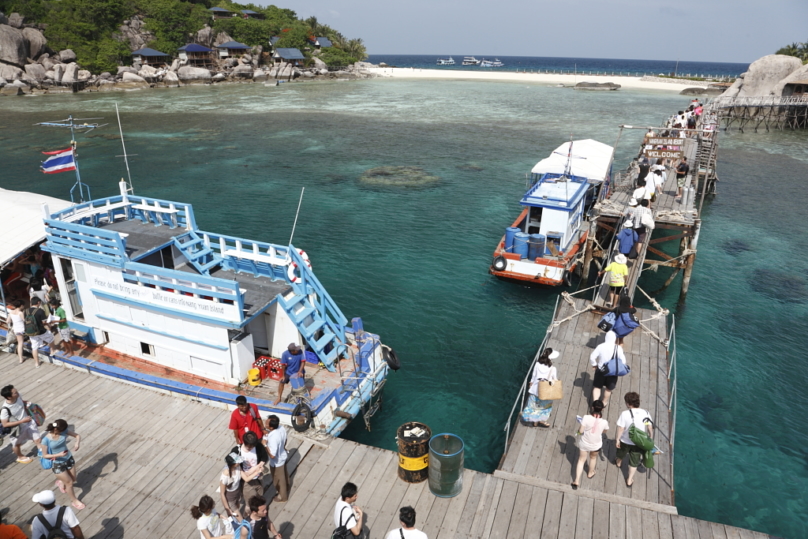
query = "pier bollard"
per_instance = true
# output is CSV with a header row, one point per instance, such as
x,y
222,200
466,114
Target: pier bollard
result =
x,y
413,451
446,453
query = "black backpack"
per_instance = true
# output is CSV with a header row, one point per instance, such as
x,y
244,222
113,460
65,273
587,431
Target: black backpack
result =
x,y
32,328
55,531
342,531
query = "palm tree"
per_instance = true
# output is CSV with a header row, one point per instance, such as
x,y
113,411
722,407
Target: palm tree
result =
x,y
313,25
800,50
356,48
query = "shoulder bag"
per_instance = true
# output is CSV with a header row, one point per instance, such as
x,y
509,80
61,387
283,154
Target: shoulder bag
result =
x,y
615,367
551,391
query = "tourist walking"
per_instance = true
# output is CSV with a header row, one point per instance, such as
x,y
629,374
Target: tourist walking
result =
x,y
640,419
253,454
618,271
54,447
261,526
14,415
62,326
625,320
292,365
208,521
537,411
16,314
627,238
54,517
35,329
275,441
406,517
600,356
346,513
245,418
681,176
591,431
231,483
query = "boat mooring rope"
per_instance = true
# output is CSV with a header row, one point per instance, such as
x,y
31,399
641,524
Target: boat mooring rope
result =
x,y
686,252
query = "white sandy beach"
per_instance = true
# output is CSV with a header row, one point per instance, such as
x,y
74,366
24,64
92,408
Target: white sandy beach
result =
x,y
669,85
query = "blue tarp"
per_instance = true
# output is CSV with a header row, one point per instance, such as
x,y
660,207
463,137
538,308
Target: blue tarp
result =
x,y
232,45
290,54
148,52
193,47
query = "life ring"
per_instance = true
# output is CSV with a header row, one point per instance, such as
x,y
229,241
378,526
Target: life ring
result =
x,y
305,257
302,417
290,272
499,263
391,358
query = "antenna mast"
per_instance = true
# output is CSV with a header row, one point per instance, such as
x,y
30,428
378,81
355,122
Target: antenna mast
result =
x,y
131,188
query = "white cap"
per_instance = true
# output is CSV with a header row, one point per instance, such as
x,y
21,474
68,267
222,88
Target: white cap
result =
x,y
620,258
45,497
628,223
632,202
554,354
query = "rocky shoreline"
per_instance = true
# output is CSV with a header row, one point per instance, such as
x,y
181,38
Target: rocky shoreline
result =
x,y
29,67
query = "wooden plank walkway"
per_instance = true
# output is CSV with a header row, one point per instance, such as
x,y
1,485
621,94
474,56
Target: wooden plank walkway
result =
x,y
548,456
146,457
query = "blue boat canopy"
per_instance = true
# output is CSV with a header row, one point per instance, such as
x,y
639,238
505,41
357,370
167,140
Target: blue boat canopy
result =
x,y
148,52
290,54
193,47
555,192
232,45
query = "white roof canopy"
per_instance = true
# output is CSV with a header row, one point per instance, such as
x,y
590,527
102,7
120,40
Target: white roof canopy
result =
x,y
590,159
22,221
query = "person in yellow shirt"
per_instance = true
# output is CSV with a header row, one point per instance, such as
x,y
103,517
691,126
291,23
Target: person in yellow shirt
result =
x,y
618,271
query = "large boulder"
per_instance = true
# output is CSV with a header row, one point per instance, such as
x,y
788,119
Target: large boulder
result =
x,y
231,62
131,77
71,73
84,75
48,62
175,65
243,69
218,77
221,37
10,73
171,79
3,18
205,36
13,47
319,64
37,44
147,72
66,56
763,76
58,72
259,75
35,71
126,69
3,81
15,20
800,74
193,74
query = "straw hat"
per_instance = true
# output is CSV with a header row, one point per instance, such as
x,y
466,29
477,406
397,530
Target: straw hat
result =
x,y
620,258
629,223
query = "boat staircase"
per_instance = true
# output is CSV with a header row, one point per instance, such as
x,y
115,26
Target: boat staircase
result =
x,y
198,253
634,270
317,317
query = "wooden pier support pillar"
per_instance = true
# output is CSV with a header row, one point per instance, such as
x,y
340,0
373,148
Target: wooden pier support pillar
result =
x,y
691,260
590,246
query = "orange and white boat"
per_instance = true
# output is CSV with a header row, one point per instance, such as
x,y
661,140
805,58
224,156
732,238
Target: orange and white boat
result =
x,y
543,244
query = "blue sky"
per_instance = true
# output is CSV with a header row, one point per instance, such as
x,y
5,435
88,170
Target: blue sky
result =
x,y
697,30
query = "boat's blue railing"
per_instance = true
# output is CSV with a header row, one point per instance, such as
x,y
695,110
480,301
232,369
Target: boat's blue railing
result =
x,y
85,243
256,257
128,206
520,398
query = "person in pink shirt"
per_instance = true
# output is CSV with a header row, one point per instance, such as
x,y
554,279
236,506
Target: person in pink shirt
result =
x,y
591,430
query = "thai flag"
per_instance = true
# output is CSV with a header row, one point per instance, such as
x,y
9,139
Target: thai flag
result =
x,y
61,161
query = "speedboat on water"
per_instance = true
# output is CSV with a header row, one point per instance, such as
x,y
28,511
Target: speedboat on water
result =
x,y
544,244
446,61
470,61
491,63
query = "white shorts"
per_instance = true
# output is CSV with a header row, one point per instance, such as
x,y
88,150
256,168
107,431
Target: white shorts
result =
x,y
28,432
38,341
65,334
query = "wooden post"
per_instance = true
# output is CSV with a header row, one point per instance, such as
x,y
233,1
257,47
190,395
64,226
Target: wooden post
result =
x,y
590,246
691,260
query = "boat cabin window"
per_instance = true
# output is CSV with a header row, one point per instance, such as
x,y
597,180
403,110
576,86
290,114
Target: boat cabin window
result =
x,y
534,220
70,284
554,243
164,258
147,349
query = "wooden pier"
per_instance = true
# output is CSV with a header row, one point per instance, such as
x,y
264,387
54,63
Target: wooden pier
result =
x,y
770,112
146,457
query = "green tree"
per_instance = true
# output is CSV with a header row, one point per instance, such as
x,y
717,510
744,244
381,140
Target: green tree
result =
x,y
297,37
356,48
800,50
335,57
171,22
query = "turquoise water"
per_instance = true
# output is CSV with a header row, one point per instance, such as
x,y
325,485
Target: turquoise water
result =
x,y
412,261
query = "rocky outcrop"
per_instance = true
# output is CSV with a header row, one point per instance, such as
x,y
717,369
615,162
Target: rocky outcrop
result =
x,y
10,73
799,74
133,34
15,20
597,86
698,90
319,64
205,36
66,56
13,47
193,74
221,37
242,69
37,44
35,71
71,73
131,77
763,76
171,79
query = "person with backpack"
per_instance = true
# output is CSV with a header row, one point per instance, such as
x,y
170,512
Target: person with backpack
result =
x,y
600,356
625,320
260,526
406,517
681,176
35,328
640,419
54,447
347,516
56,521
17,422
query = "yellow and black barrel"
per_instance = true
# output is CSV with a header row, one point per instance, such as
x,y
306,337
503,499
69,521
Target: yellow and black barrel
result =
x,y
413,452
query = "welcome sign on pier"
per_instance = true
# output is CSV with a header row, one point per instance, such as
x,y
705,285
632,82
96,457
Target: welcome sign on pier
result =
x,y
653,150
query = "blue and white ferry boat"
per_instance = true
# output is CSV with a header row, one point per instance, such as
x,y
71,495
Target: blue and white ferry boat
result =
x,y
139,278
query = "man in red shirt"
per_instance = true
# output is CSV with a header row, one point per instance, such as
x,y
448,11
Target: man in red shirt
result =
x,y
245,418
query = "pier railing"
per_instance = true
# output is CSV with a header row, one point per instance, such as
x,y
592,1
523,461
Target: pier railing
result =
x,y
520,398
767,101
673,396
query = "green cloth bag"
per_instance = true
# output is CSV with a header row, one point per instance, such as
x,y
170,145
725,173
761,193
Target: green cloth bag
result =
x,y
641,439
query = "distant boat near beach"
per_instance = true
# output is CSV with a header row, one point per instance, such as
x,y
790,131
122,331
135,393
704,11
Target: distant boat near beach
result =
x,y
446,61
470,61
491,63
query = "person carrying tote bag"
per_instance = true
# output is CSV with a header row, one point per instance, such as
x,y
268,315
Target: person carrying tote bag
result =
x,y
606,352
537,411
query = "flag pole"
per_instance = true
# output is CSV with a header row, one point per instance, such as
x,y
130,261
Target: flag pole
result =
x,y
299,202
